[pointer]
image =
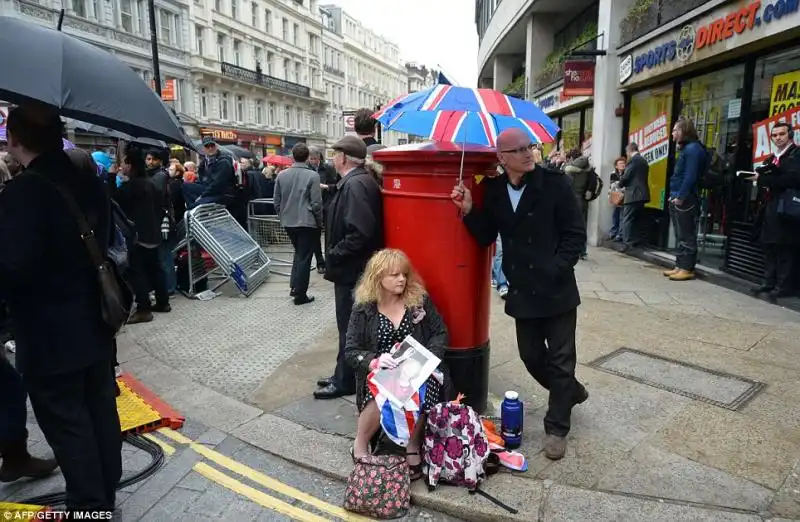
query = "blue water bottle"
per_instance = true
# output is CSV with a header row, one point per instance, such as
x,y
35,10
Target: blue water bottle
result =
x,y
511,414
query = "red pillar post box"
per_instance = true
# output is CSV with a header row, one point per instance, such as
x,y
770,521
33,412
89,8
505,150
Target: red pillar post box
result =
x,y
421,220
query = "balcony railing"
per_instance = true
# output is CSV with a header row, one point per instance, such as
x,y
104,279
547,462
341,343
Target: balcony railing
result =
x,y
647,15
545,78
258,78
334,71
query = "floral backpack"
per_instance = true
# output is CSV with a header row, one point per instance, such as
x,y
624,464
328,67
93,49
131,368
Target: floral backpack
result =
x,y
456,448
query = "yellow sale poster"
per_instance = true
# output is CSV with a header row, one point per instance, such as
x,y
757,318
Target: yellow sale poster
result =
x,y
785,92
650,128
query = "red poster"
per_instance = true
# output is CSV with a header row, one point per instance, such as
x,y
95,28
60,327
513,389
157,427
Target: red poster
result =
x,y
762,143
578,78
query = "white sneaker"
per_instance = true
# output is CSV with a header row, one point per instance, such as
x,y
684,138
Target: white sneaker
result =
x,y
11,346
503,292
494,283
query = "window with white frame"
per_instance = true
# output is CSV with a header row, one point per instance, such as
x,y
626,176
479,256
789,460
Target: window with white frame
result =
x,y
221,47
285,30
268,21
234,9
287,116
79,8
259,112
237,52
298,72
258,56
271,113
203,102
165,26
296,35
218,6
300,122
240,108
270,64
254,13
141,16
286,69
199,36
126,15
223,106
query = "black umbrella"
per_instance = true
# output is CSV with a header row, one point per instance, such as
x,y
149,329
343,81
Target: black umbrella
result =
x,y
117,135
83,81
239,152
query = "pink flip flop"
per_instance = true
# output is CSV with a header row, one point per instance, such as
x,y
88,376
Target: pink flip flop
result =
x,y
512,460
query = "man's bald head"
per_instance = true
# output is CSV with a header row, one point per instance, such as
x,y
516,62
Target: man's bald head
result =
x,y
512,138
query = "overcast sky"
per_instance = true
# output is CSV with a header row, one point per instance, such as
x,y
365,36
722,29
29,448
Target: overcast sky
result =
x,y
415,25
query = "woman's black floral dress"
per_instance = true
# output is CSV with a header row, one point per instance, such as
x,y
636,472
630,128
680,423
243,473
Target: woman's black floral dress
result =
x,y
388,336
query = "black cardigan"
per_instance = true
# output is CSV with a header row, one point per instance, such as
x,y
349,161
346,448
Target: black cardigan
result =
x,y
361,346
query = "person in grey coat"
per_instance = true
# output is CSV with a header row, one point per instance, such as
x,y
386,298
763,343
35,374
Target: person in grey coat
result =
x,y
580,174
635,181
298,203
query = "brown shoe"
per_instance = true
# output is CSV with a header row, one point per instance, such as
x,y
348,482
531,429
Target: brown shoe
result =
x,y
18,463
682,275
141,317
554,447
669,273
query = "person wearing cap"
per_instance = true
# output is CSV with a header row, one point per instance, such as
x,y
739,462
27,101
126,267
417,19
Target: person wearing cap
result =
x,y
353,232
216,181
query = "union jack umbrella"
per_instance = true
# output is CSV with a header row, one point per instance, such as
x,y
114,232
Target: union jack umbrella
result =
x,y
465,115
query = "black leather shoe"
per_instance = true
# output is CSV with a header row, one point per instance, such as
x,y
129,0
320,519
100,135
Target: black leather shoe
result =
x,y
778,294
303,299
331,392
583,394
761,290
321,269
325,382
292,292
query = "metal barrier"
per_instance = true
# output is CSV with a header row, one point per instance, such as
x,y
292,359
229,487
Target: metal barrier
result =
x,y
265,228
238,257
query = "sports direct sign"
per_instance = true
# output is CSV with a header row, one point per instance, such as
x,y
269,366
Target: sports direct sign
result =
x,y
762,142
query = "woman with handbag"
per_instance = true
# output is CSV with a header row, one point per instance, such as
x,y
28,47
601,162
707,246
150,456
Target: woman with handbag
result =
x,y
390,304
616,196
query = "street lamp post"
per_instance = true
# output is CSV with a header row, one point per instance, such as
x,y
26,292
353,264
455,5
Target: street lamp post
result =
x,y
154,45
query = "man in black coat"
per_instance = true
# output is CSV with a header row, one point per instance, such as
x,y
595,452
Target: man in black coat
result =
x,y
780,236
353,232
635,181
328,178
543,235
64,348
216,178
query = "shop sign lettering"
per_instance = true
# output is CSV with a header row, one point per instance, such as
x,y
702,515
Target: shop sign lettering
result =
x,y
785,92
720,28
762,143
557,100
653,139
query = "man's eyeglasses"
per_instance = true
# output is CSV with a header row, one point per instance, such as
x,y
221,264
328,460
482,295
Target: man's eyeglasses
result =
x,y
520,150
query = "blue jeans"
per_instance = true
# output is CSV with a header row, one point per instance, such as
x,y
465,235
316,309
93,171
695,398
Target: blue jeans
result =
x,y
13,412
615,231
168,263
497,266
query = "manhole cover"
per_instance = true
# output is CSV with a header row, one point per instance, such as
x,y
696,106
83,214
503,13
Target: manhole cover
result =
x,y
718,388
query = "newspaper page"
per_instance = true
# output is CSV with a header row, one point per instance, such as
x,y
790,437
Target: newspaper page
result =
x,y
416,364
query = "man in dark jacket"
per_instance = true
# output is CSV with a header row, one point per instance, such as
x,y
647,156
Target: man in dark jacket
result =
x,y
365,126
780,236
160,177
684,201
216,181
353,232
635,181
328,178
64,348
543,234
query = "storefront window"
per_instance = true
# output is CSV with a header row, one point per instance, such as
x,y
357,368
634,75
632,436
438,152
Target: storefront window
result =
x,y
650,129
571,131
586,146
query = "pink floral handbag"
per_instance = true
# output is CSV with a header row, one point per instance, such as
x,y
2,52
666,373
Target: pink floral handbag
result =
x,y
379,487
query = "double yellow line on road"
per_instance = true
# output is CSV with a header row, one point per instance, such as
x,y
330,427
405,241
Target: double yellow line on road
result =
x,y
259,497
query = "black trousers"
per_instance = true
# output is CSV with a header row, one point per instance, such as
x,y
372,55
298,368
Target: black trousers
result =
x,y
148,274
684,221
779,267
304,240
631,223
77,413
344,376
318,253
547,347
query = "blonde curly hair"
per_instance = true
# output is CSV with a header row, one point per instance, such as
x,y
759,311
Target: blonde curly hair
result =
x,y
383,263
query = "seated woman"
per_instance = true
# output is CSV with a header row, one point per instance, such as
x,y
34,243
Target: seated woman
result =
x,y
391,303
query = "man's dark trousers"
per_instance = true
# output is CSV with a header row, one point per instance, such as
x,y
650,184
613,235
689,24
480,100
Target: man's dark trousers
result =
x,y
684,221
344,376
780,271
13,412
77,413
547,348
304,240
630,223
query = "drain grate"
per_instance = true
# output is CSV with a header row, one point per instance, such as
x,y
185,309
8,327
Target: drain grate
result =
x,y
720,389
